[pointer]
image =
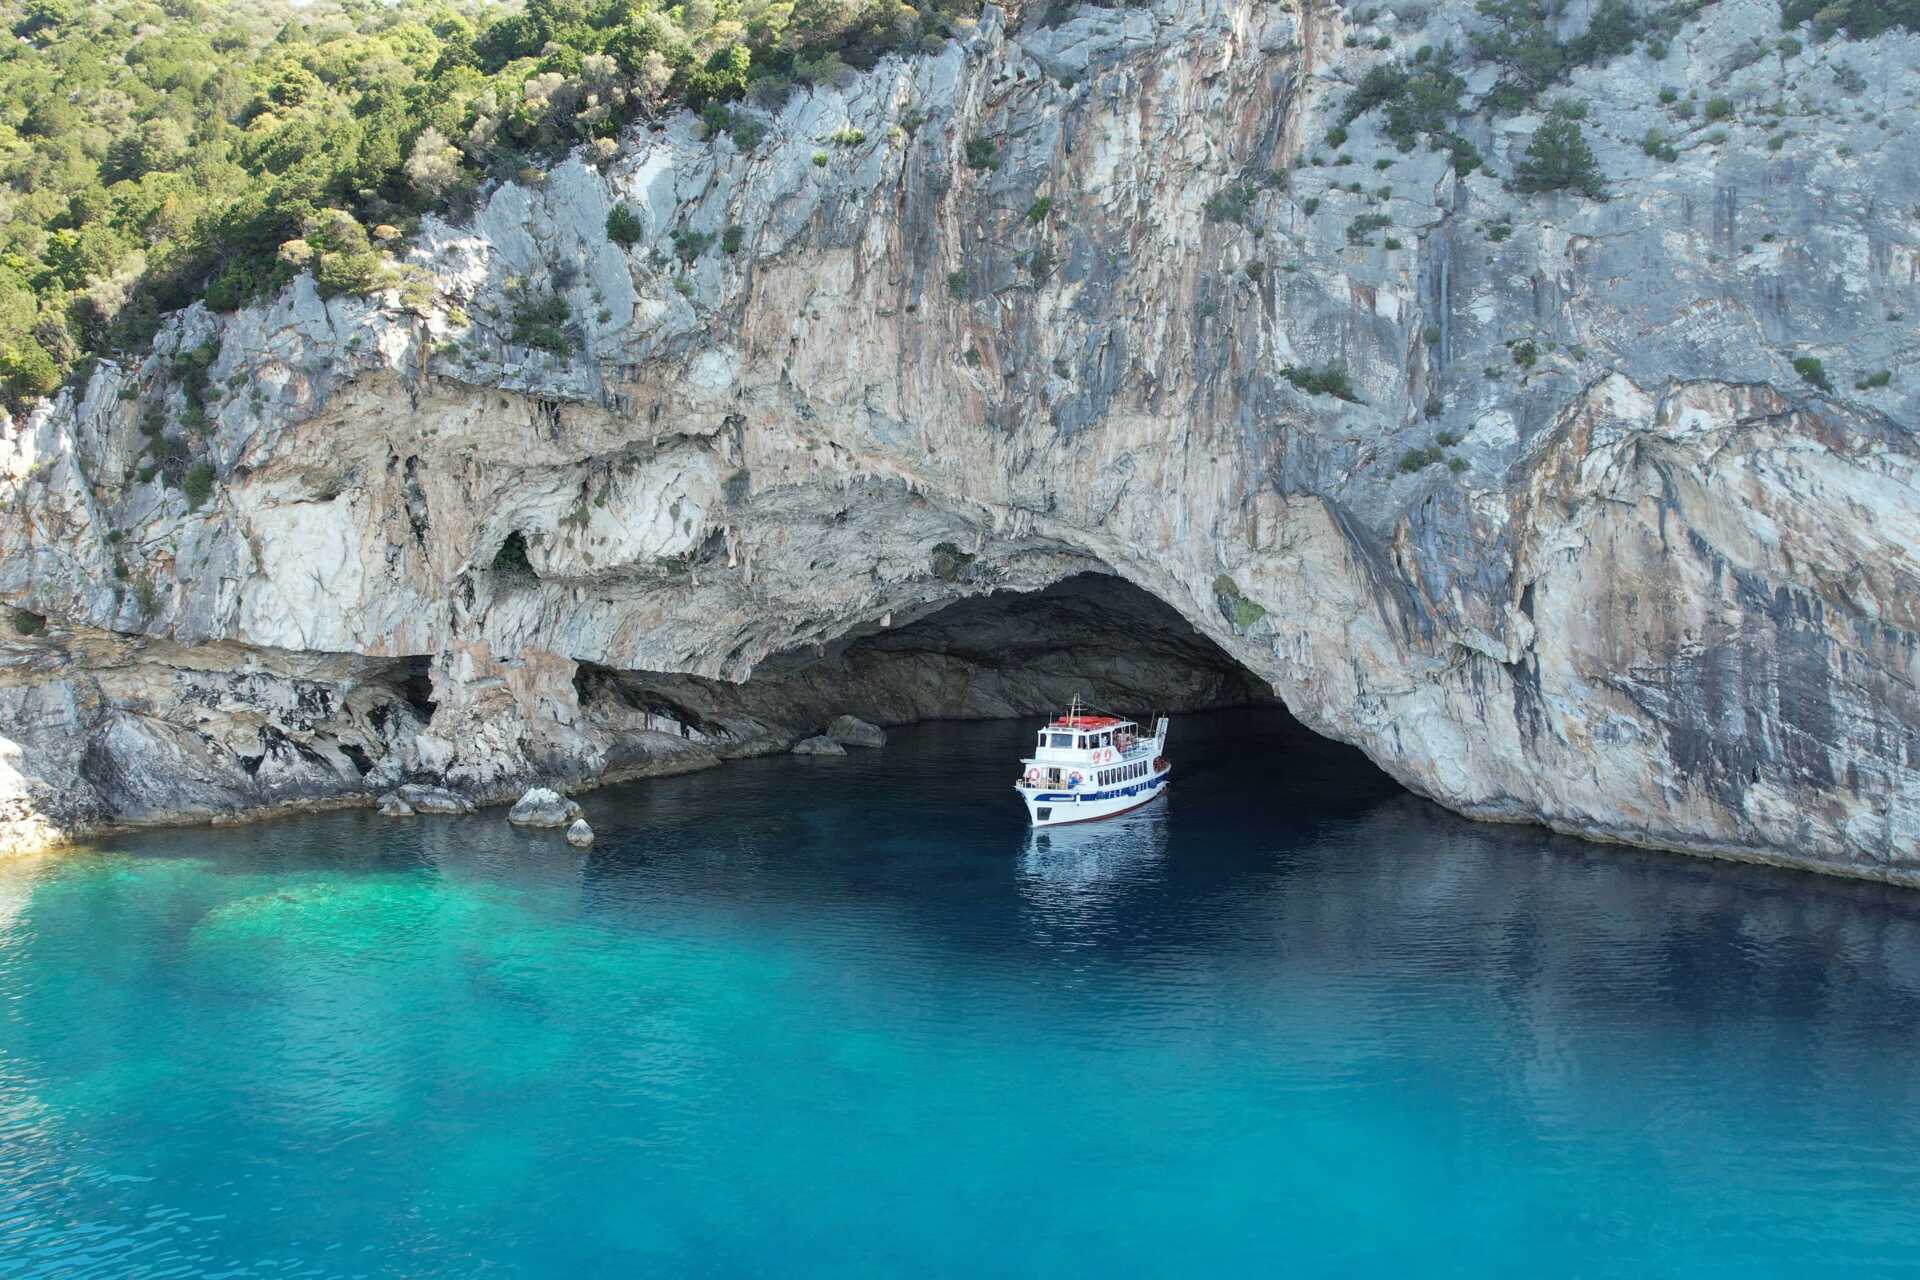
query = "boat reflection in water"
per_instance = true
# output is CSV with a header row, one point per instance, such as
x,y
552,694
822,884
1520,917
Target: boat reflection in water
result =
x,y
1071,874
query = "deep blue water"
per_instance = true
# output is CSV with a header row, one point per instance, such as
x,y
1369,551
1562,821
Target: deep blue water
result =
x,y
800,1016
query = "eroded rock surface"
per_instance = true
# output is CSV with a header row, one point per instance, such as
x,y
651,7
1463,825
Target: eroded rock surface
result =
x,y
851,731
1586,548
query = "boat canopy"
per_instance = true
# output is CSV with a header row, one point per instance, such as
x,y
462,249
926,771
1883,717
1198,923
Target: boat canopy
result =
x,y
1086,722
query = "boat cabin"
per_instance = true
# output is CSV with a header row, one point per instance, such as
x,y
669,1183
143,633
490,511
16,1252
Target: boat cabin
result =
x,y
1072,739
1087,750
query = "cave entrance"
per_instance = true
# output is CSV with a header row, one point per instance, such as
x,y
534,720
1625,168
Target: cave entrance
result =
x,y
1093,636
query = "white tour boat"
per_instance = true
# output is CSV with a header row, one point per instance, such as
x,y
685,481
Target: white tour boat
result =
x,y
1090,766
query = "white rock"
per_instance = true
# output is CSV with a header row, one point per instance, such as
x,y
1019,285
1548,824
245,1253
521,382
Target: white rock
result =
x,y
580,834
543,807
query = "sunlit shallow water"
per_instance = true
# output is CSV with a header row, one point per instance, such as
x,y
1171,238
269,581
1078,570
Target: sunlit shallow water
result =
x,y
848,1017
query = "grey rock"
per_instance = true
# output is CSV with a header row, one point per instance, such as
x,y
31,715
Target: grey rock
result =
x,y
851,731
543,807
580,834
147,770
392,806
424,799
821,745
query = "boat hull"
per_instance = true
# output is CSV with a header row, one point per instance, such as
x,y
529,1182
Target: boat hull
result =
x,y
1055,808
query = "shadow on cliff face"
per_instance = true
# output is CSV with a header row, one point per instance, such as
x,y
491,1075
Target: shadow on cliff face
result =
x,y
1093,636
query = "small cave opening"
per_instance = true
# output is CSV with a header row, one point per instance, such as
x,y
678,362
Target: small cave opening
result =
x,y
1095,637
512,557
413,681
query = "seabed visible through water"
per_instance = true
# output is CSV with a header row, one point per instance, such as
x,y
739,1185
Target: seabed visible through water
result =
x,y
822,1016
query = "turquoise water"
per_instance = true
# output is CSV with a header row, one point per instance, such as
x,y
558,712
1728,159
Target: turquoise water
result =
x,y
847,1017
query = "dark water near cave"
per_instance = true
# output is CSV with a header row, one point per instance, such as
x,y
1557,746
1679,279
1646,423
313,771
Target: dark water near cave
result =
x,y
800,1016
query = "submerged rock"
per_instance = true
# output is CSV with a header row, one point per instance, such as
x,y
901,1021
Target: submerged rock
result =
x,y
821,745
851,731
580,834
543,807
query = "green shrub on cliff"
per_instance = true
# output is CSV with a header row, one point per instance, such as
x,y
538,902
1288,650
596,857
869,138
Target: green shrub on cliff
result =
x,y
624,225
1559,159
1811,369
1240,611
1324,380
198,485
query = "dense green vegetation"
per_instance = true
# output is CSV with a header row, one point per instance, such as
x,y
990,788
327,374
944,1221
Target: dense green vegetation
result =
x,y
156,153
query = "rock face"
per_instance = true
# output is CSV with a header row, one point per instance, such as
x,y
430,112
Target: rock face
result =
x,y
543,807
1586,547
851,731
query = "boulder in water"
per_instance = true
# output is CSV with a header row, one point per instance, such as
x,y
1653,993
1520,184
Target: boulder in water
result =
x,y
543,807
851,731
392,806
424,799
820,746
580,834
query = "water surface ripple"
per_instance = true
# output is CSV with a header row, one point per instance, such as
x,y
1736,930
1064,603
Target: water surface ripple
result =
x,y
802,1016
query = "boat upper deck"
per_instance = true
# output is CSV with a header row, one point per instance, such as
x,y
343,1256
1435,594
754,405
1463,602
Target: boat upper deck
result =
x,y
1085,740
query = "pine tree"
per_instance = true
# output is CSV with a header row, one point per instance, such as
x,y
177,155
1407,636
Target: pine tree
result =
x,y
1559,159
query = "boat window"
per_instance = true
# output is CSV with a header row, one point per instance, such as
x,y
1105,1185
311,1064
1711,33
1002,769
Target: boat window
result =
x,y
1062,739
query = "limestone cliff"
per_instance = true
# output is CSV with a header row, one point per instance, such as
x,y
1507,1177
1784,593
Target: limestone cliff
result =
x,y
1584,548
